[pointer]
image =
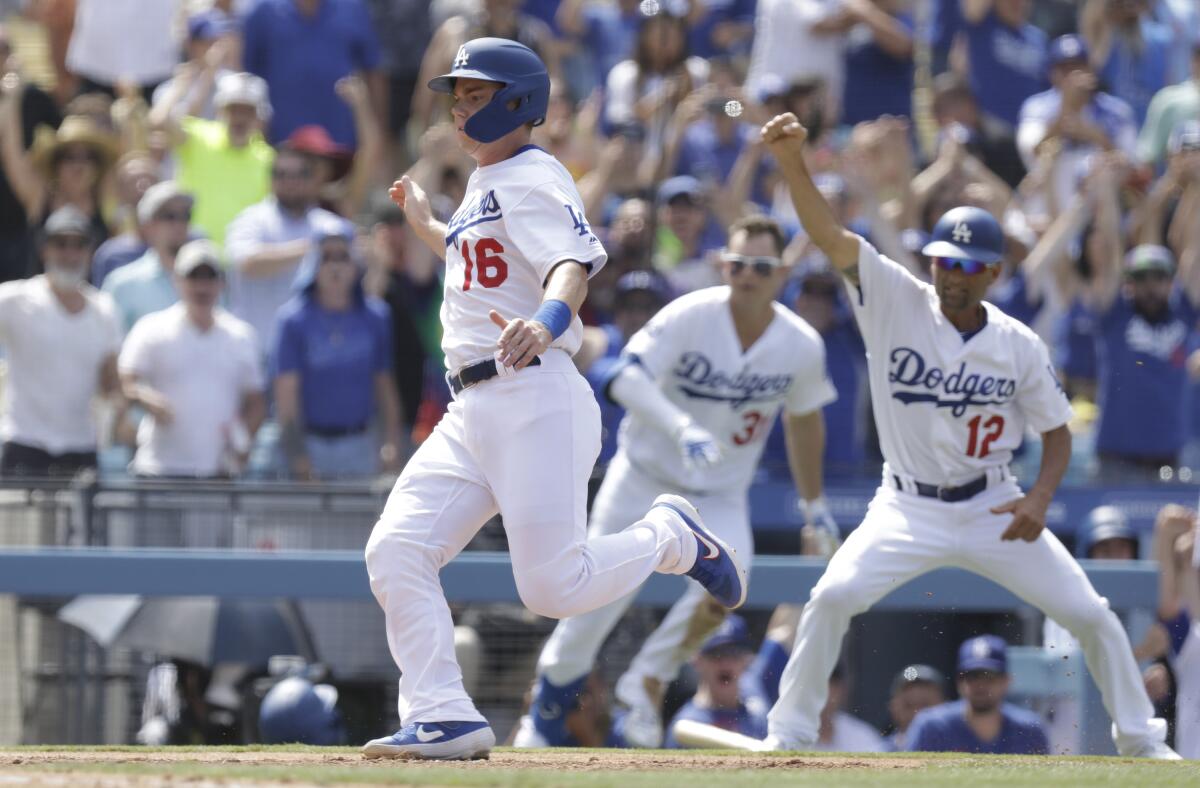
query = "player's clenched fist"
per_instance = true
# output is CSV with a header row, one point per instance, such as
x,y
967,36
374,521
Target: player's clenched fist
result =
x,y
785,138
520,340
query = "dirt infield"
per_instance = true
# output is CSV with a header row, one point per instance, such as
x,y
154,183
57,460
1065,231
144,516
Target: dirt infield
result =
x,y
196,768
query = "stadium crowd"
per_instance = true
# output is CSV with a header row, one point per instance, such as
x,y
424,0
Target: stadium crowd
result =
x,y
201,274
254,126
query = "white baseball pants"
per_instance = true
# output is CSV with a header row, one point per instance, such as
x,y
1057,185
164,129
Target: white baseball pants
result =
x,y
903,536
522,444
572,649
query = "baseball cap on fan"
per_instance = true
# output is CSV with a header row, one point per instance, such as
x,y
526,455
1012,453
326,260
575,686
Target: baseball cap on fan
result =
x,y
197,254
1068,48
243,88
986,652
209,25
732,636
1149,257
680,186
918,674
157,196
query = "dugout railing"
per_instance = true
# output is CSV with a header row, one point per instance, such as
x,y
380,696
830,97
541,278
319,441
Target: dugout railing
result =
x,y
59,539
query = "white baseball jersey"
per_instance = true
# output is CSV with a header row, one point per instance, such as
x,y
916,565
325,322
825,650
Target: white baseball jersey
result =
x,y
1187,694
692,350
519,219
948,408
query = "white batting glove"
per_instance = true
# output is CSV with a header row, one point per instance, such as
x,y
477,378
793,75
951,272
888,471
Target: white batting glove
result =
x,y
698,447
820,529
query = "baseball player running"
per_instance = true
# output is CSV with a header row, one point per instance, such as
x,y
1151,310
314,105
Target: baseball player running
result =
x,y
954,384
523,430
702,384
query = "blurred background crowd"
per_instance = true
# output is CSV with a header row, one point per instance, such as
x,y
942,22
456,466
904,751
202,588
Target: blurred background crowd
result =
x,y
201,276
269,129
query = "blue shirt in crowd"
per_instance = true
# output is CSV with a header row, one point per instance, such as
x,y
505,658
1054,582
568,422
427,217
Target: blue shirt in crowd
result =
x,y
944,728
1135,75
703,155
1012,296
1007,65
337,356
115,253
301,59
1141,377
1075,343
609,37
716,12
876,83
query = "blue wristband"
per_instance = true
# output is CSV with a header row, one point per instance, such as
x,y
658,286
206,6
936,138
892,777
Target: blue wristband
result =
x,y
554,315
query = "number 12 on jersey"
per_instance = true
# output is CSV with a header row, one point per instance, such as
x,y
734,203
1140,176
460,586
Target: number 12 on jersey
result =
x,y
992,429
492,269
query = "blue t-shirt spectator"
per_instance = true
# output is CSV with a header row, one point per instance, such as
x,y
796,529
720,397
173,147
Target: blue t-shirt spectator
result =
x,y
336,354
1075,343
944,728
1012,296
876,82
1136,74
609,37
709,159
718,12
115,253
1142,373
302,57
945,20
1006,64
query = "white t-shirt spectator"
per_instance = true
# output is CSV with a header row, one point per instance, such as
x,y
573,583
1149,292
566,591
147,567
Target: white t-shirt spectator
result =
x,y
54,363
784,45
124,39
622,91
203,375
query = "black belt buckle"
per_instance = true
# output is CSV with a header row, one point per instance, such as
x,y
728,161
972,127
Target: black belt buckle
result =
x,y
948,494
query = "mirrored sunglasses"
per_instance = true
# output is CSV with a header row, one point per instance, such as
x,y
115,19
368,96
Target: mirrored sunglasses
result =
x,y
763,266
968,267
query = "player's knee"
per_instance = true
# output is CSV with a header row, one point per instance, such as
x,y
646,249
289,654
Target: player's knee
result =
x,y
545,592
389,552
1087,615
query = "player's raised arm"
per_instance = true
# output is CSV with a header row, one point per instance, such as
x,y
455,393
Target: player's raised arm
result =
x,y
415,203
521,340
785,138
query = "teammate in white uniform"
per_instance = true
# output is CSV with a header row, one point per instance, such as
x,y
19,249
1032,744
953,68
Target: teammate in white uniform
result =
x,y
954,384
702,385
523,431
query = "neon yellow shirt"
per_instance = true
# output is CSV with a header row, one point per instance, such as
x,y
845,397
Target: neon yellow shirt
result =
x,y
224,179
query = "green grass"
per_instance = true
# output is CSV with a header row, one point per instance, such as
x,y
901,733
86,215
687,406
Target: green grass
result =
x,y
950,771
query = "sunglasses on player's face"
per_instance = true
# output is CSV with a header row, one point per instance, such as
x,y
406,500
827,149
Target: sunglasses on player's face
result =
x,y
763,266
968,267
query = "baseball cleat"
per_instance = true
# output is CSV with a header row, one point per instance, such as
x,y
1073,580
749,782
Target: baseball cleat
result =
x,y
443,741
777,743
640,724
548,713
1157,751
717,567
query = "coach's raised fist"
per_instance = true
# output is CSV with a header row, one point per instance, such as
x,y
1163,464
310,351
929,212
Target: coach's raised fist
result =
x,y
785,137
412,200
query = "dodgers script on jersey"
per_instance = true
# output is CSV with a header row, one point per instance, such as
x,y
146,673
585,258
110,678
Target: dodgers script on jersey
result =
x,y
948,409
519,219
692,350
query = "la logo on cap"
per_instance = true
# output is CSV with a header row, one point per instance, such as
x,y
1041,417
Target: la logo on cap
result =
x,y
979,648
962,233
460,60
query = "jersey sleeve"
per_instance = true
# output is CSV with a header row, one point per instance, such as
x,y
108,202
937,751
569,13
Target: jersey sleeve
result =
x,y
137,354
548,227
250,368
883,286
812,388
922,735
1040,396
655,346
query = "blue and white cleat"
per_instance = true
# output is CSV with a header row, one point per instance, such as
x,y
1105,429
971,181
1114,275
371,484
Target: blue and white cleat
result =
x,y
717,567
546,723
442,741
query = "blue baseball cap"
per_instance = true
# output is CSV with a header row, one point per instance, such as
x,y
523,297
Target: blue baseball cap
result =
x,y
1064,48
644,282
207,25
986,652
680,186
733,634
1103,523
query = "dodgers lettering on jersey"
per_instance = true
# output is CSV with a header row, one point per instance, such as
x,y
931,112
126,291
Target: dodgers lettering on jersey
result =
x,y
692,350
947,409
519,219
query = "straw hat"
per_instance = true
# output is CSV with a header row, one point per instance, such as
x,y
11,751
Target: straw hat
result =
x,y
75,130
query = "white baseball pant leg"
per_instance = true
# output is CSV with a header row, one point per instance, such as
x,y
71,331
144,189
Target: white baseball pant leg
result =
x,y
525,444
625,494
904,536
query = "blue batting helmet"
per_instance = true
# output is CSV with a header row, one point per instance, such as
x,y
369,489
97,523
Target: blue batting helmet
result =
x,y
1103,523
967,233
525,80
296,711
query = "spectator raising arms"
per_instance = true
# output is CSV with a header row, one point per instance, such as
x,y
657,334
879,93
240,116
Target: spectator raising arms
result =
x,y
332,360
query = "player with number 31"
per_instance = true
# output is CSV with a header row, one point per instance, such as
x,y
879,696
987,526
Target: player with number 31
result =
x,y
523,430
